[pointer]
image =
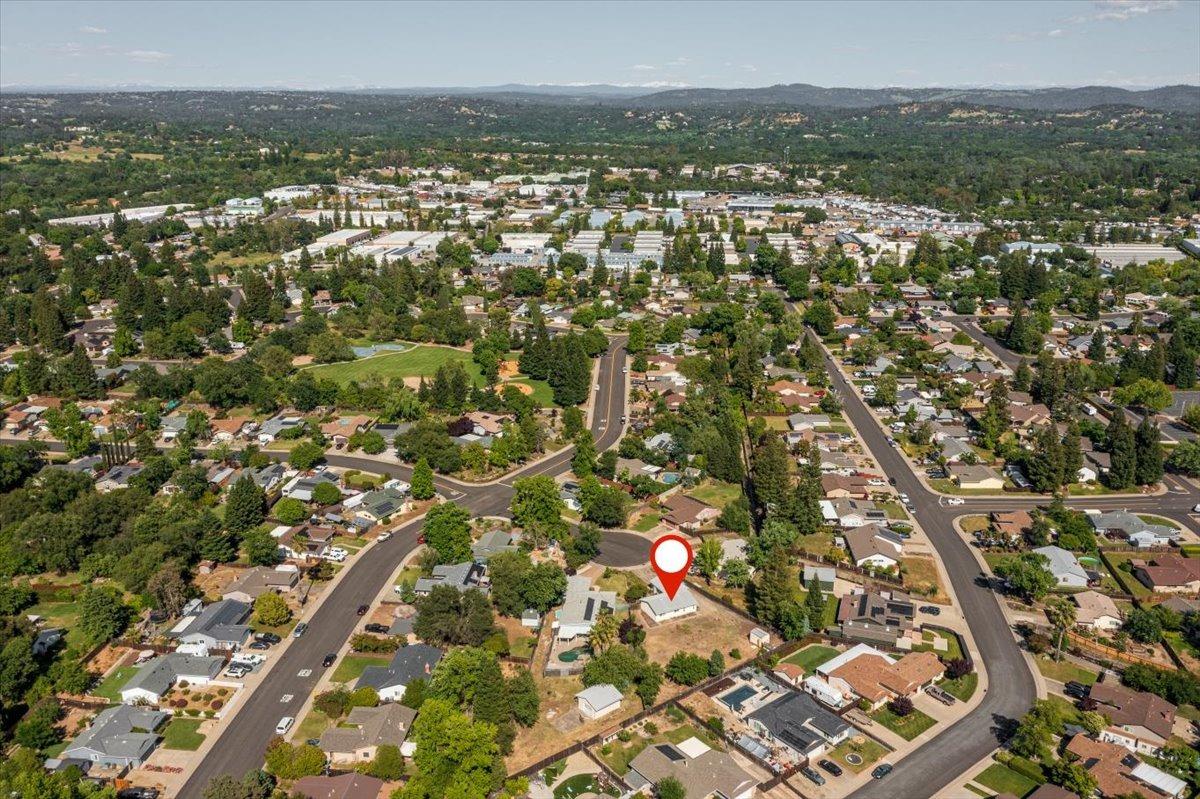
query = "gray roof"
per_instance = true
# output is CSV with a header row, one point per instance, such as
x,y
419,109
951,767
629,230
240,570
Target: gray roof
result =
x,y
1062,562
160,674
382,503
794,718
658,603
221,621
112,734
1128,523
462,576
370,726
582,604
412,662
492,543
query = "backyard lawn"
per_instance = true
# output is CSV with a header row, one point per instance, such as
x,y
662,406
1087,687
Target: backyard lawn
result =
x,y
716,493
575,786
352,666
811,656
1064,671
183,734
952,651
907,727
312,726
112,685
63,615
1001,779
617,755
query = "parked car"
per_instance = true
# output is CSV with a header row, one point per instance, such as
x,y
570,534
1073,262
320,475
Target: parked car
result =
x,y
932,610
270,638
813,775
955,501
328,660
362,610
375,627
284,725
831,767
881,771
249,658
384,536
137,793
237,670
1076,690
1196,509
300,630
259,645
941,695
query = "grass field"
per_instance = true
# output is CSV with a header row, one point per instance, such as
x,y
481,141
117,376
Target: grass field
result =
x,y
716,493
1065,671
617,755
952,652
421,360
352,666
239,261
1131,584
112,685
1001,779
869,750
811,656
183,734
646,522
312,726
63,615
907,727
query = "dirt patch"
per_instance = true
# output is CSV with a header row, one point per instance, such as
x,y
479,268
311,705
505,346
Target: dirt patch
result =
x,y
524,388
712,627
109,658
217,580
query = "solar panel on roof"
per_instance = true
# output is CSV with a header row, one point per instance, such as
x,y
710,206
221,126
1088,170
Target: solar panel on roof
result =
x,y
670,752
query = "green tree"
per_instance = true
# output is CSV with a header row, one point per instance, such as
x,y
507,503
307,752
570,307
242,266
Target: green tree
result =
x,y
422,480
456,758
388,763
1147,443
102,614
708,558
447,530
536,501
1122,447
1026,574
290,511
523,698
246,507
261,548
814,604
669,788
271,610
306,455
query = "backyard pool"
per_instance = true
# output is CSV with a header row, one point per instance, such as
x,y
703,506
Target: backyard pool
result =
x,y
571,655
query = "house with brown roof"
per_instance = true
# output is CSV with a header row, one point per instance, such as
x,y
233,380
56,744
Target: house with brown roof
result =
x,y
340,429
226,430
975,476
1170,574
343,786
1096,611
874,546
687,513
1011,524
1120,773
487,424
841,486
1139,720
253,583
877,677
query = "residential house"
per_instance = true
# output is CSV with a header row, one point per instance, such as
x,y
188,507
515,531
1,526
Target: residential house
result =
x,y
581,606
1119,773
1169,574
598,701
851,513
118,477
874,547
660,607
1096,611
304,541
358,737
254,582
487,424
877,677
799,726
1064,566
493,543
152,680
703,772
1133,528
687,513
412,662
463,576
375,506
825,576
343,786
220,625
840,486
975,476
302,486
342,428
1140,721
119,737
876,617
1011,525
269,476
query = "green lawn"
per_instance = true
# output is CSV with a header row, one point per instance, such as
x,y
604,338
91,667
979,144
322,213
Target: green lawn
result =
x,y
352,666
812,656
182,734
1131,584
952,652
617,755
716,493
1001,779
312,726
1065,671
647,522
574,786
112,685
962,688
907,727
421,360
523,647
869,750
64,615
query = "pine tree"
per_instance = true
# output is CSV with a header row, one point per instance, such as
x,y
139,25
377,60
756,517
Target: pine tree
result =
x,y
1072,454
1149,453
770,472
1122,470
583,462
79,375
491,703
422,479
814,604
246,507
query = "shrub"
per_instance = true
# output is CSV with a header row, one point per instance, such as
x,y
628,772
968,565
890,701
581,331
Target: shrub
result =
x,y
651,728
183,684
901,706
216,704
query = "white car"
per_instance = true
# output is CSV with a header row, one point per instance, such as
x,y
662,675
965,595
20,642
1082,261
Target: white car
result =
x,y
955,501
1196,509
384,536
284,725
249,658
597,386
336,554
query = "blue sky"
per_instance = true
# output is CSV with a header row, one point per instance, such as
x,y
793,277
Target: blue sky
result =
x,y
344,44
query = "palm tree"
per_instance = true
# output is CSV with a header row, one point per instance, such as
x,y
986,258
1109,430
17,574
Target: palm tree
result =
x,y
1061,613
603,633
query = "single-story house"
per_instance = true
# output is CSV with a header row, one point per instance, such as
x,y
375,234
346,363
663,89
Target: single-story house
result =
x,y
1064,566
703,772
581,606
343,786
254,582
221,625
598,700
660,607
687,513
119,737
152,680
412,662
357,739
798,724
463,576
873,546
1170,574
1096,611
975,476
1140,721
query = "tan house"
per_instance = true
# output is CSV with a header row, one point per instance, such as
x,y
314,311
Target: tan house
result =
x,y
358,738
687,513
1096,611
974,476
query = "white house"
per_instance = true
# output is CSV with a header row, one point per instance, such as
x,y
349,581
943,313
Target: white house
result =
x,y
660,607
1064,566
598,701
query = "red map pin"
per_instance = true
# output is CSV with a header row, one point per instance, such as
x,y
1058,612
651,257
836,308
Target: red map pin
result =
x,y
671,557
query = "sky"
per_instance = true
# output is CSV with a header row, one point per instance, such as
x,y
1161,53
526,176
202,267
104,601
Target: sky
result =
x,y
322,45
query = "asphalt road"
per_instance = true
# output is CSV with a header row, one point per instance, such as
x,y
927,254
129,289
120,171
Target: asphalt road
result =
x,y
241,745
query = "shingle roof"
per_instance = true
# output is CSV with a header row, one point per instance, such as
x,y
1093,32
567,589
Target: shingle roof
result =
x,y
412,662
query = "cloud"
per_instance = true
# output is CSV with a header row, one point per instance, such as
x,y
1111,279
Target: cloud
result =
x,y
1056,33
1124,10
644,67
749,67
147,55
93,30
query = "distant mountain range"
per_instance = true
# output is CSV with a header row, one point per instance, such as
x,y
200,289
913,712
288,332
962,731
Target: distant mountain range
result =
x,y
792,95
